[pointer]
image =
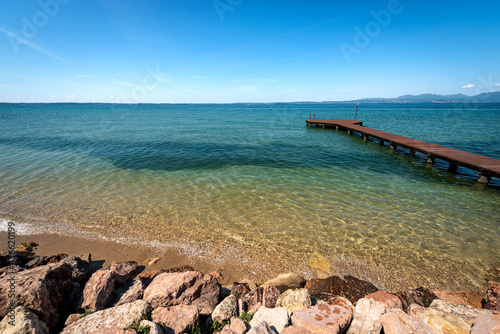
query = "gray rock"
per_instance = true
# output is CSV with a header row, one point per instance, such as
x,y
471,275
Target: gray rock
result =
x,y
80,269
154,328
294,300
227,309
41,289
262,328
277,318
122,316
23,322
367,316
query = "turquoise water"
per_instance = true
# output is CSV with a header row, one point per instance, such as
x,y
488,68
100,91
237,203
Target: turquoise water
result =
x,y
256,179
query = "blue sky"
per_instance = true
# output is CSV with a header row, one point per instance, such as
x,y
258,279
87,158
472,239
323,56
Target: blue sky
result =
x,y
245,50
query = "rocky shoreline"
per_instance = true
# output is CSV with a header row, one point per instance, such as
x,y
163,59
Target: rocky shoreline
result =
x,y
60,294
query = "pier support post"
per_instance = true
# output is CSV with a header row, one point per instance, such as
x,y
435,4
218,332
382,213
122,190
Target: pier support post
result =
x,y
323,126
348,132
365,138
336,128
381,142
452,168
430,161
482,180
412,153
393,147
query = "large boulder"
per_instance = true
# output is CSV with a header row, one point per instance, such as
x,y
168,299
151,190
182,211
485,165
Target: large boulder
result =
x,y
294,300
323,318
464,312
171,289
42,290
262,328
348,287
486,324
440,322
122,316
23,322
287,281
267,296
421,296
176,319
396,321
492,301
227,309
98,290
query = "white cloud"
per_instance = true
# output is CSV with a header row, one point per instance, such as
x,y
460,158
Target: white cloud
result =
x,y
497,85
468,86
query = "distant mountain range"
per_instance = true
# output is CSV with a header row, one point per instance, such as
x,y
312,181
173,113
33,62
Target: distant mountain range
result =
x,y
455,98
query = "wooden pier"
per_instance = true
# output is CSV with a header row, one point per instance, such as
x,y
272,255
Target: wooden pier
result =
x,y
487,167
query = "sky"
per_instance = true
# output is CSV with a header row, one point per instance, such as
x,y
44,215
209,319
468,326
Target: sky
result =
x,y
225,51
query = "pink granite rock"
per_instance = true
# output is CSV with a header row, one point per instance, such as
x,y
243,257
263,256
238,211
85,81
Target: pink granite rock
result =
x,y
41,290
397,322
133,292
114,330
176,319
349,287
170,289
238,326
72,318
389,301
323,319
23,322
492,301
486,324
267,296
124,270
227,309
295,330
421,296
98,290
122,316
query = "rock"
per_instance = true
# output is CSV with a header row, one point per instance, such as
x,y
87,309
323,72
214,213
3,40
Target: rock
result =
x,y
87,257
227,309
262,328
470,298
72,318
240,289
294,300
238,326
124,270
176,319
398,322
206,303
21,258
323,318
295,330
98,290
26,246
440,322
73,302
114,330
486,324
170,289
388,300
464,312
154,328
122,316
151,260
41,289
181,269
255,308
421,296
80,269
277,318
226,330
492,301
367,316
349,287
23,322
287,281
251,284
132,292
267,296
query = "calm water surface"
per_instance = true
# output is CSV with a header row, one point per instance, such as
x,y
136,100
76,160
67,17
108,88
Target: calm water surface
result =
x,y
255,177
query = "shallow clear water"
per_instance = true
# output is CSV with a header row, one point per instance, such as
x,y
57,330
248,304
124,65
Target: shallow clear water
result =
x,y
254,176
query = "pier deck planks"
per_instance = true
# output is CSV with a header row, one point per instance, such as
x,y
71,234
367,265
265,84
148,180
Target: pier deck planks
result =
x,y
488,166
